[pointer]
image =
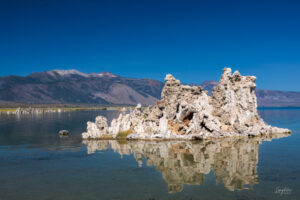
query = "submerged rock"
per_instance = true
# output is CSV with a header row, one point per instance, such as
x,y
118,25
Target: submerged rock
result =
x,y
187,112
63,132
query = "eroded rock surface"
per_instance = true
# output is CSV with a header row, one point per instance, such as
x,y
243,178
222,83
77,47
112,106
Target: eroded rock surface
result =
x,y
187,112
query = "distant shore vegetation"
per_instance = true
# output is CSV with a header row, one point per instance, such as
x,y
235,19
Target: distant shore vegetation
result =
x,y
62,107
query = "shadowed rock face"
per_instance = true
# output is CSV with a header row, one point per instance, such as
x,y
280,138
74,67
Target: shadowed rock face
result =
x,y
188,112
265,98
232,160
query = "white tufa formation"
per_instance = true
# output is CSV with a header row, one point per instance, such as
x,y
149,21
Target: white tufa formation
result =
x,y
187,112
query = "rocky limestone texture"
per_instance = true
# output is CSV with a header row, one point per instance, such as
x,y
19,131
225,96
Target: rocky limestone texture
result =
x,y
187,112
233,160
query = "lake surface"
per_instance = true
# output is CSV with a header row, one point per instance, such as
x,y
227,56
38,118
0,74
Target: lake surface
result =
x,y
37,164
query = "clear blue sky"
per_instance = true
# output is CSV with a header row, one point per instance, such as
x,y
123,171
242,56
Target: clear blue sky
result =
x,y
193,40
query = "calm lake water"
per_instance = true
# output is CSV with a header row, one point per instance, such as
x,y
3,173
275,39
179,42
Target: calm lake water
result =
x,y
36,164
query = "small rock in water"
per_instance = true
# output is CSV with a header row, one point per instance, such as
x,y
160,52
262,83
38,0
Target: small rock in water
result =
x,y
63,132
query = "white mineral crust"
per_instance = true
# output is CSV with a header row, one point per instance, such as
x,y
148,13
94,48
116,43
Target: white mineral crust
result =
x,y
187,112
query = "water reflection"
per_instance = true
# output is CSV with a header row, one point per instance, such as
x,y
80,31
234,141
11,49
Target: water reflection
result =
x,y
42,129
233,161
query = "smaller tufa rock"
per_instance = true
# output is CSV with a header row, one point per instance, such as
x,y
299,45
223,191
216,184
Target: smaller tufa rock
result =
x,y
63,132
97,129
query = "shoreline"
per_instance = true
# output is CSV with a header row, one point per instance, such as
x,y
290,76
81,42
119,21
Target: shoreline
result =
x,y
266,136
82,107
46,109
193,137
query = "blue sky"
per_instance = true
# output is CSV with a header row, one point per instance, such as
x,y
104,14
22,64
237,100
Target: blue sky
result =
x,y
193,40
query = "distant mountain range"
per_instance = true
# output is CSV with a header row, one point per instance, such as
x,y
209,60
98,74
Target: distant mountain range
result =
x,y
74,87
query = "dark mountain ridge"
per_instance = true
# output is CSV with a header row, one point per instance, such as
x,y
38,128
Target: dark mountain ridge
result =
x,y
74,87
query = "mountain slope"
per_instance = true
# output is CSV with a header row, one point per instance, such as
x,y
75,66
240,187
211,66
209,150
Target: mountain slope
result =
x,y
72,86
